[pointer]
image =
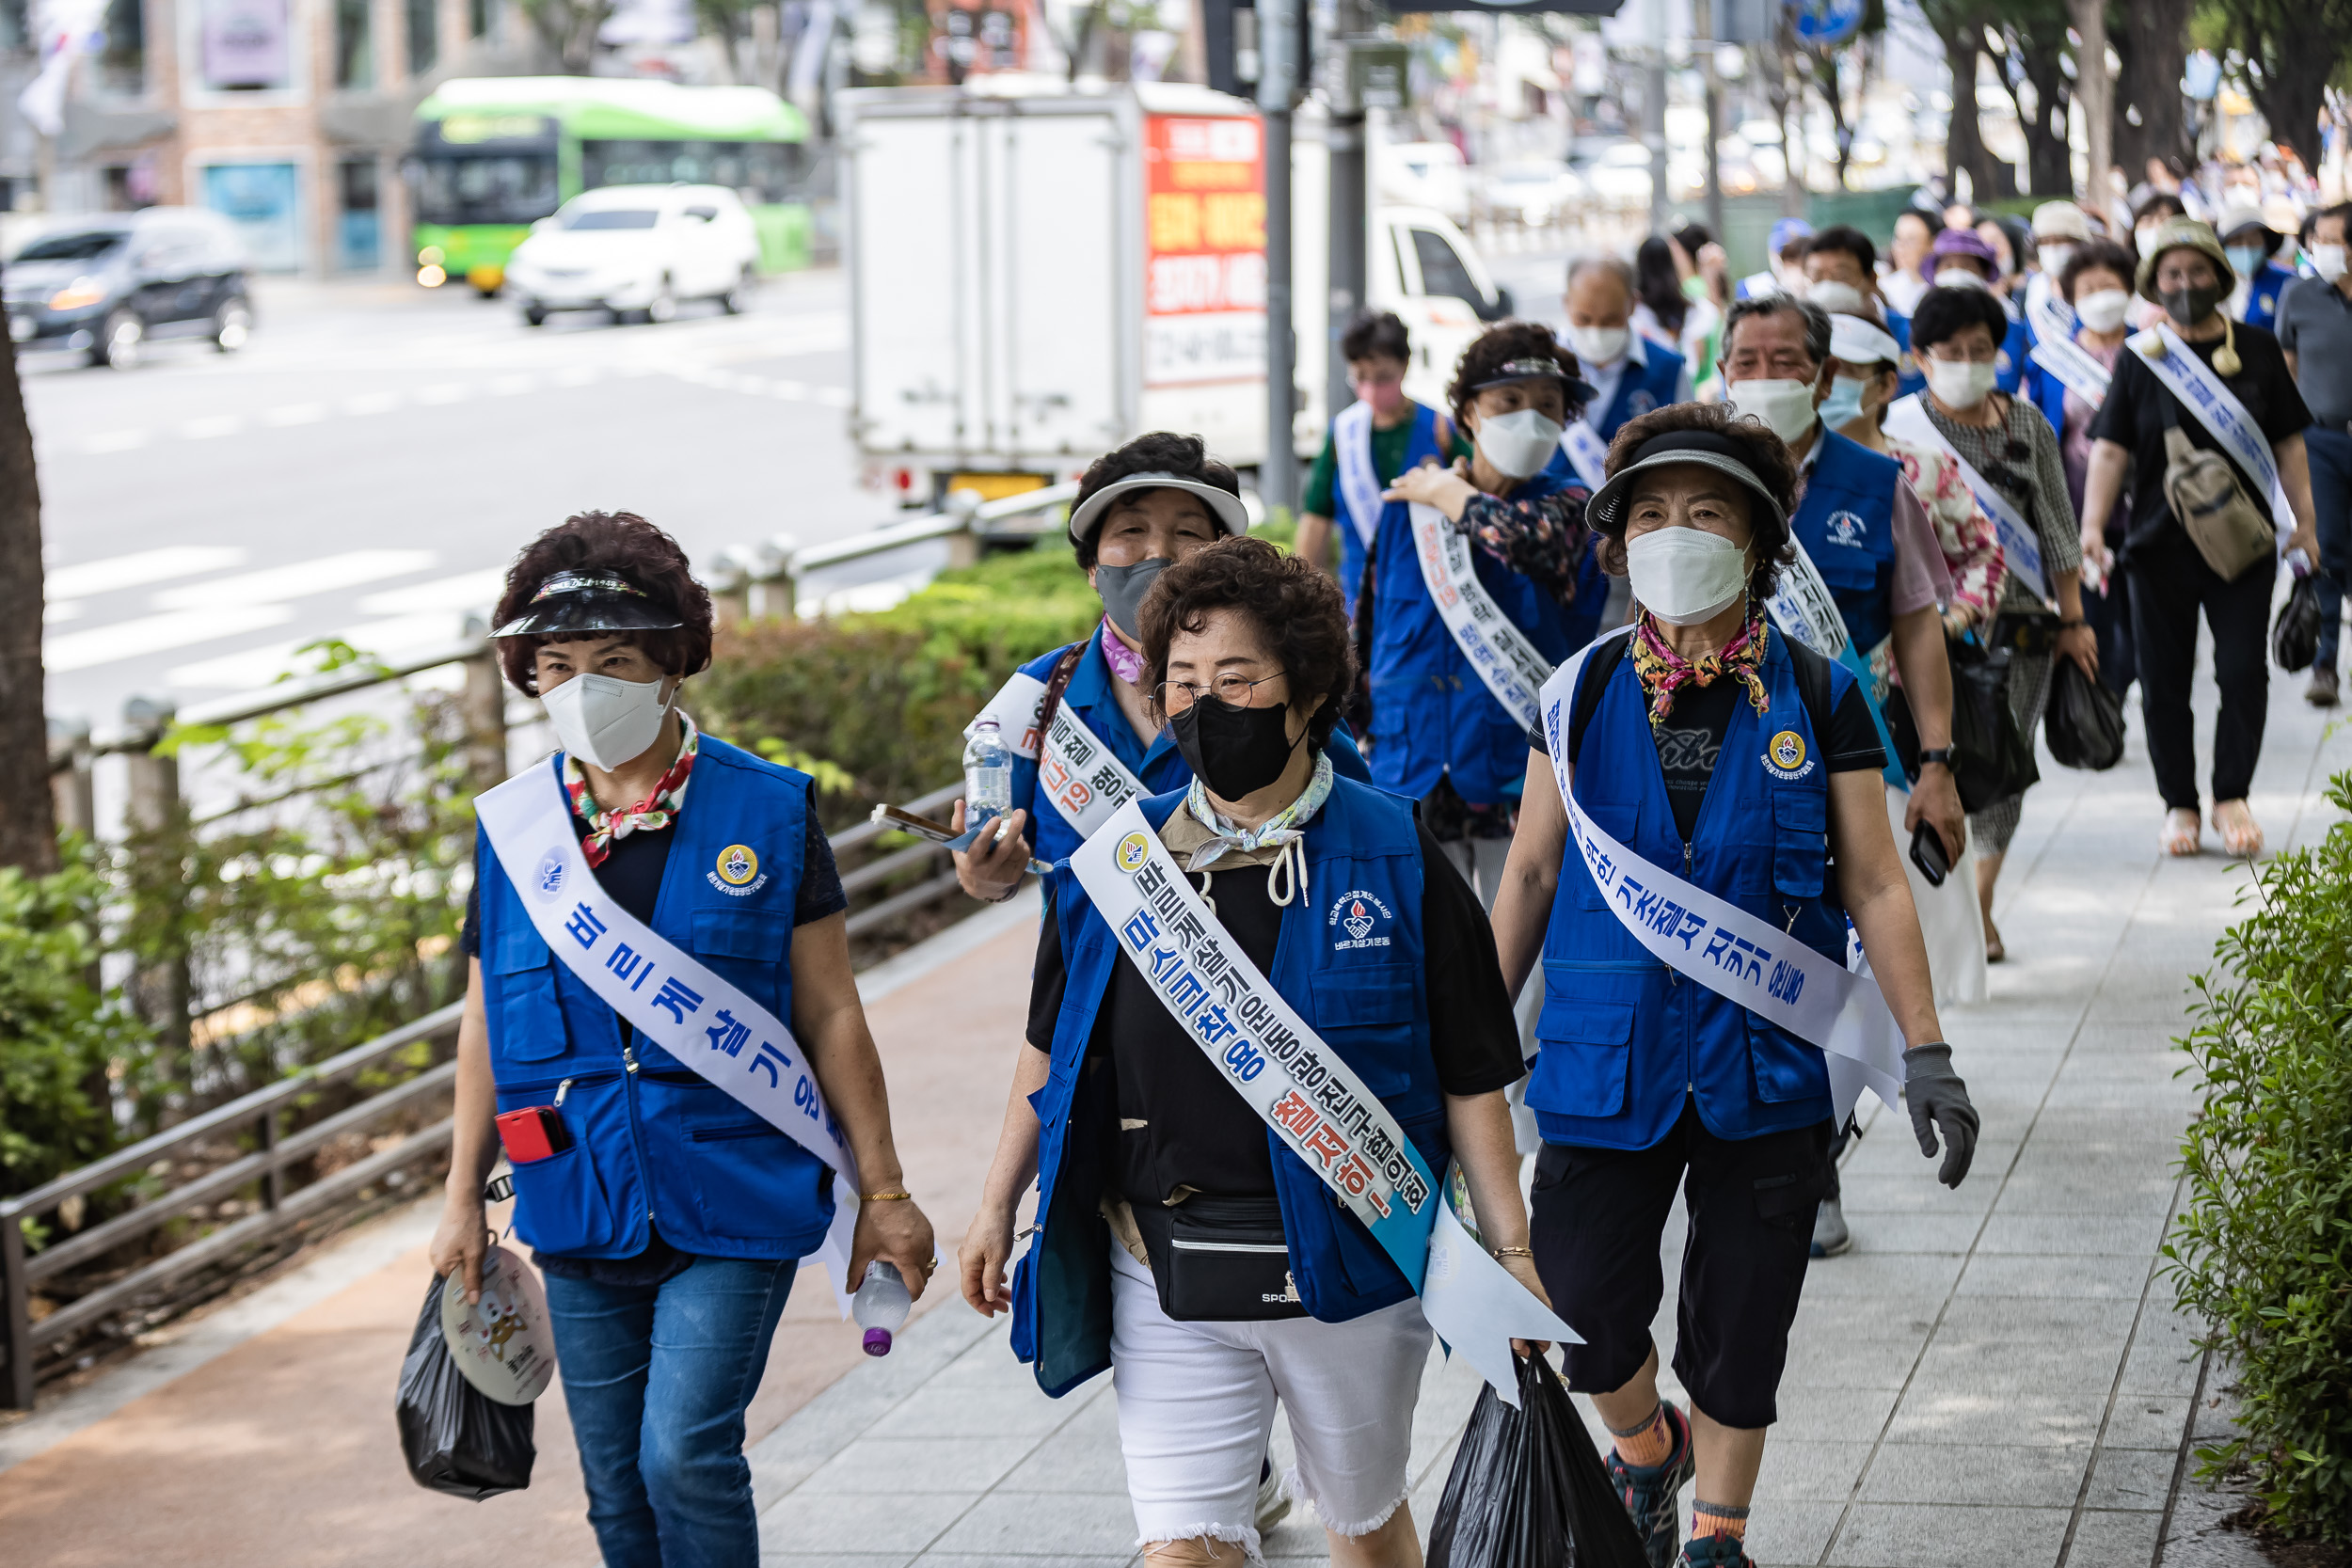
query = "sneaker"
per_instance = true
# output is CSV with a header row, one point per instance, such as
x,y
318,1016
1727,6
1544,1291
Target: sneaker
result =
x,y
2323,691
1273,1504
1830,1235
1717,1552
1649,1491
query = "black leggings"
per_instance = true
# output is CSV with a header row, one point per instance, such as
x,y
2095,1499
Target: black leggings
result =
x,y
2169,584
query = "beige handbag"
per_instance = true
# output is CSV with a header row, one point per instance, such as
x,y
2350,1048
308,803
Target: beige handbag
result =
x,y
2231,531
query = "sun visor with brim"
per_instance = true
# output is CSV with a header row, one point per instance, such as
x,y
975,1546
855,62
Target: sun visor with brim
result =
x,y
1704,449
1579,392
575,604
1223,504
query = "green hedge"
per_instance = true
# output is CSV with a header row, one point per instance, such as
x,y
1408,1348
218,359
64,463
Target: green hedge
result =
x,y
2264,1251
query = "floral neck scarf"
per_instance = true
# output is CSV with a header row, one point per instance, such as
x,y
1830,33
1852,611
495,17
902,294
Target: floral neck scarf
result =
x,y
1125,661
1663,672
1280,828
651,814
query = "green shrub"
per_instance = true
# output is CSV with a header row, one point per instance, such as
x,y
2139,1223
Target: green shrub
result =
x,y
2264,1253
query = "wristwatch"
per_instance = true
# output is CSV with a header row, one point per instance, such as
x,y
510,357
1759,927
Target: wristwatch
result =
x,y
1937,754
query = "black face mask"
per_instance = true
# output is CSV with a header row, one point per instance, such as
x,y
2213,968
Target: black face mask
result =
x,y
1234,751
1122,589
2188,307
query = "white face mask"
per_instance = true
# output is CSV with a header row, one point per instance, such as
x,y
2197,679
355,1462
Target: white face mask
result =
x,y
1520,443
605,722
2329,260
2144,239
1599,345
1686,575
1785,407
1838,299
2103,312
1960,383
2054,257
1959,277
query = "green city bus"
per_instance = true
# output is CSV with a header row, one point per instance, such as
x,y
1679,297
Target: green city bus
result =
x,y
493,154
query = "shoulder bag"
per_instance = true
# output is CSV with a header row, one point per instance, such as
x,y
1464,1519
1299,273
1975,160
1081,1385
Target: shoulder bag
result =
x,y
2213,508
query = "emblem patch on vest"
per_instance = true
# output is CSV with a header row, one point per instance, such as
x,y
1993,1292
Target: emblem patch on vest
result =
x,y
1639,402
1846,528
548,879
738,871
1358,914
1133,851
1784,757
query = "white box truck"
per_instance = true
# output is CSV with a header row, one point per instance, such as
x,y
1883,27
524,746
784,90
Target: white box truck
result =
x,y
1036,276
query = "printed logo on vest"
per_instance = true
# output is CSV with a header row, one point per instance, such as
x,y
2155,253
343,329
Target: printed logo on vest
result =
x,y
1133,852
1639,402
2001,362
548,878
738,871
1846,528
1359,914
1784,757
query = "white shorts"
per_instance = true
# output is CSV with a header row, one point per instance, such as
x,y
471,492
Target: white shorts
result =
x,y
1196,1405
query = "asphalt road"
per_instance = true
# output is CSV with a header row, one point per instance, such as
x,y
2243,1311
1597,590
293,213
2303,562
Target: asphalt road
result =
x,y
368,466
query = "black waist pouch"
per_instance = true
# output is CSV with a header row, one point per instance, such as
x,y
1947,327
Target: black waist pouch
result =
x,y
1220,1259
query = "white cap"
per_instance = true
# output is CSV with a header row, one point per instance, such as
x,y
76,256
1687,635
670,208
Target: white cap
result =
x,y
1862,343
2060,220
1222,505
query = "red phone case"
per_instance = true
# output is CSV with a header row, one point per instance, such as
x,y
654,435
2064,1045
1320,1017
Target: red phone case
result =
x,y
533,1132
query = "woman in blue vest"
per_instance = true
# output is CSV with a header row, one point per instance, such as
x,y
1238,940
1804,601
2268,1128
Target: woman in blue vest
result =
x,y
1437,736
1150,1166
667,1217
1721,753
1152,503
1371,442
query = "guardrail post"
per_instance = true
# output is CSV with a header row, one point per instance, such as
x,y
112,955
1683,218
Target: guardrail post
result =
x,y
484,706
775,588
16,1322
273,1184
160,990
69,775
730,579
963,546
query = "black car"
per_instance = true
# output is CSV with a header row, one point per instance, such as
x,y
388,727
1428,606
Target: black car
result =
x,y
108,284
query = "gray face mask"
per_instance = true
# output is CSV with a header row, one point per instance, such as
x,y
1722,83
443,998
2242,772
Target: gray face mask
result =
x,y
1122,589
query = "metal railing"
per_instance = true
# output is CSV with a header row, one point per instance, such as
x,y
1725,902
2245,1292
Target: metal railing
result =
x,y
153,796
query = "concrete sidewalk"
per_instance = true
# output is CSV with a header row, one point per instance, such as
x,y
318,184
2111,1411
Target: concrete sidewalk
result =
x,y
1993,1376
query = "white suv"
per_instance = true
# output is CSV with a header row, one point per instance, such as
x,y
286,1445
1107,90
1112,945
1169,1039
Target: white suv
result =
x,y
636,251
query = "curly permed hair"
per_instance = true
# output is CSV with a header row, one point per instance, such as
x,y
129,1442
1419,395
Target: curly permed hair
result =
x,y
1497,347
1297,610
1158,451
1766,457
631,549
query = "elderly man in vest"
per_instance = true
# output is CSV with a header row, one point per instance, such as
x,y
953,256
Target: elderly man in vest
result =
x,y
1868,537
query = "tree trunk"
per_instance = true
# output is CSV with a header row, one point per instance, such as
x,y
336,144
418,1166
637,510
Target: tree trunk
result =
x,y
28,828
2093,89
2290,95
1964,141
2048,162
2154,50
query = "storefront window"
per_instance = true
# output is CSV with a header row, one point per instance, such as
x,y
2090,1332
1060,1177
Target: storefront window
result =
x,y
245,45
358,234
122,64
355,44
424,36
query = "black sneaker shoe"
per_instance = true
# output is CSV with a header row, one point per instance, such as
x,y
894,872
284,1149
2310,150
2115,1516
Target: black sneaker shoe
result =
x,y
1648,1492
1717,1552
2323,691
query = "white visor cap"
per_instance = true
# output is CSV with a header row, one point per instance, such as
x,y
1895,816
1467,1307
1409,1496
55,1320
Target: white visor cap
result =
x,y
1858,342
1223,504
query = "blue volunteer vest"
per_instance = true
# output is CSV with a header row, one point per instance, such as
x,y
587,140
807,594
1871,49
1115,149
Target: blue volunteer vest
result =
x,y
2261,299
2009,360
1640,389
1422,444
1432,716
1622,1039
651,1138
1909,377
1160,766
1369,1003
1846,524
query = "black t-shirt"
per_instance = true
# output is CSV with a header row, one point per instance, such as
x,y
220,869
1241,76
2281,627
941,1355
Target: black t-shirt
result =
x,y
1692,738
2136,406
1194,1129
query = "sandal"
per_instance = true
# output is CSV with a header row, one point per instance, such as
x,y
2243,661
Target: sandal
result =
x,y
2183,833
2240,834
1993,951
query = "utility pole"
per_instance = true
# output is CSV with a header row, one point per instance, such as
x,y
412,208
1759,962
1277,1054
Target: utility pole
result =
x,y
1349,156
1278,80
1654,113
2094,90
1703,25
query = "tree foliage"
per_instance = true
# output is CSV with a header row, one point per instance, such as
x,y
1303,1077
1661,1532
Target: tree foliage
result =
x,y
2285,53
568,28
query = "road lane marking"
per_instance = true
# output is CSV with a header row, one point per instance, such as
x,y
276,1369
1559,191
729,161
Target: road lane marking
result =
x,y
154,634
293,414
217,424
476,589
372,403
254,668
137,569
114,440
298,579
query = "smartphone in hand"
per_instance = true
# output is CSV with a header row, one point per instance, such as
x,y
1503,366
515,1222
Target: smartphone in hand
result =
x,y
1927,853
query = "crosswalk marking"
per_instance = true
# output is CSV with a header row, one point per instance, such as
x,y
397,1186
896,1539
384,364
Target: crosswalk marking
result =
x,y
138,569
297,579
217,424
155,634
252,668
477,590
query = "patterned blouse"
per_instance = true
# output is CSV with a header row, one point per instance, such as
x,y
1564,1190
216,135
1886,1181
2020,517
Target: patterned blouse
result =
x,y
2020,458
1543,538
1972,546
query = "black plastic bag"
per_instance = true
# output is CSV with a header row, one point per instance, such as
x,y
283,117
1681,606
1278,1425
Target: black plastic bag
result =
x,y
1991,759
2295,637
1527,1489
2084,721
457,1438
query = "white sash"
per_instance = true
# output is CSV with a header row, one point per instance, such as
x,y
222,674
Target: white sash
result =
x,y
1359,486
2072,364
1075,771
665,994
1804,606
1907,420
2204,394
1588,454
1513,671
1302,1089
1725,949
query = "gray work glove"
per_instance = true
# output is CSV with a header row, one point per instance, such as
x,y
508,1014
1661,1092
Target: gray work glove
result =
x,y
1938,1099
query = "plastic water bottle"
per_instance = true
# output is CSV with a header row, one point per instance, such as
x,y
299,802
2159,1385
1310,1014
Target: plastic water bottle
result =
x,y
881,1305
987,775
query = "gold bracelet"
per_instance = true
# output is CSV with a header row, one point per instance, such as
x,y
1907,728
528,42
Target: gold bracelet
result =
x,y
1515,1252
898,1194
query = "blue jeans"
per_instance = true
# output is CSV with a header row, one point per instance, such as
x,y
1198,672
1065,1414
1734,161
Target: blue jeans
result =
x,y
657,1377
2330,453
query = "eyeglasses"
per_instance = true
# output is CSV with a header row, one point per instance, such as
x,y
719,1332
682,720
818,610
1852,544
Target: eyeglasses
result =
x,y
1176,697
